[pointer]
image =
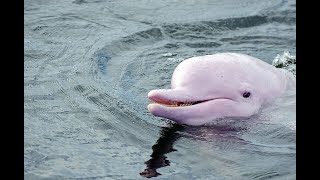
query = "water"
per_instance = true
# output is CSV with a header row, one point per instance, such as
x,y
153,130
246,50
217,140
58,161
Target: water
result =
x,y
89,65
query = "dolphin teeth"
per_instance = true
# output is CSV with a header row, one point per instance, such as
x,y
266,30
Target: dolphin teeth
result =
x,y
185,104
179,104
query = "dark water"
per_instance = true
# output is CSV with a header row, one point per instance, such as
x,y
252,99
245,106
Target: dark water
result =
x,y
89,65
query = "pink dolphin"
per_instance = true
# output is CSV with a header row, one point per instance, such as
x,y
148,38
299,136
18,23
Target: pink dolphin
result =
x,y
216,86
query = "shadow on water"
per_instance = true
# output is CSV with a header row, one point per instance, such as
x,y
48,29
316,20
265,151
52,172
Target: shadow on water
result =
x,y
164,145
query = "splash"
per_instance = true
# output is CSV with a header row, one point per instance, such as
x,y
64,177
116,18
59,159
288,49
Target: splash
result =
x,y
285,61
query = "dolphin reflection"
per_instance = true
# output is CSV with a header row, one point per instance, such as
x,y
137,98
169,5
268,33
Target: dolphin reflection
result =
x,y
164,145
224,132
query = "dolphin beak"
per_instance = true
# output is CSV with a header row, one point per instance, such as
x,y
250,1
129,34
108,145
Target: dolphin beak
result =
x,y
168,96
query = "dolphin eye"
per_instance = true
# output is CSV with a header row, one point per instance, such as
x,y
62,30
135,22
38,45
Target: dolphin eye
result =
x,y
246,94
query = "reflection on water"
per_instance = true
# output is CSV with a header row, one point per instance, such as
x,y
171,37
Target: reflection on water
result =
x,y
169,135
164,145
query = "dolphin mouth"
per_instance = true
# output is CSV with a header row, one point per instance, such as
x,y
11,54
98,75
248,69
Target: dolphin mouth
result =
x,y
186,107
178,99
169,103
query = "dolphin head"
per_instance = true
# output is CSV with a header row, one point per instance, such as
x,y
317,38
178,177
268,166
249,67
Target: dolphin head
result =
x,y
216,86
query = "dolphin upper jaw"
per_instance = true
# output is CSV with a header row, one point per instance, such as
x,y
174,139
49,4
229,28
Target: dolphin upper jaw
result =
x,y
172,95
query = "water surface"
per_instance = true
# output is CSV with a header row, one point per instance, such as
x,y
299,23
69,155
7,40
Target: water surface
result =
x,y
89,65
